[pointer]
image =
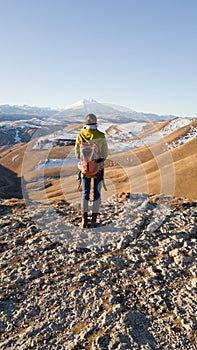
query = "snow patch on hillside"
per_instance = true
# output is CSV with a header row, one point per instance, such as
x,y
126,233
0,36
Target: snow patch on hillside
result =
x,y
54,163
17,137
174,125
191,135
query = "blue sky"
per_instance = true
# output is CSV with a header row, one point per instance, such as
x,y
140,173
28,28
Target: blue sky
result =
x,y
138,53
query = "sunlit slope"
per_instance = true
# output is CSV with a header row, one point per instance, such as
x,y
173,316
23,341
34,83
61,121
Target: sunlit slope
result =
x,y
172,172
154,168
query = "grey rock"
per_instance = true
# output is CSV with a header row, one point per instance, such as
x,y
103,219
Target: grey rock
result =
x,y
120,288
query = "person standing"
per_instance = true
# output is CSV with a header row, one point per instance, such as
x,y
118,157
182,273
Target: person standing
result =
x,y
91,150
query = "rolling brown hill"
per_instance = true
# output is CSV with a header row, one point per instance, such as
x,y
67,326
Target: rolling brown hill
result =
x,y
154,168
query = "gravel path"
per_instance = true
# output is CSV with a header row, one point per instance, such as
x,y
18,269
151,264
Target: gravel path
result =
x,y
128,284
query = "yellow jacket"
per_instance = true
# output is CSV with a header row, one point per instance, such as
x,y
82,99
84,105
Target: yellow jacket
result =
x,y
91,135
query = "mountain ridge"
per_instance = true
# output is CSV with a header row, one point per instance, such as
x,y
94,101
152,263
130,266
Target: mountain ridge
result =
x,y
83,106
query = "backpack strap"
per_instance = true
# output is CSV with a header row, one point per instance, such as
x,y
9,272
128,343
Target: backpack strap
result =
x,y
83,139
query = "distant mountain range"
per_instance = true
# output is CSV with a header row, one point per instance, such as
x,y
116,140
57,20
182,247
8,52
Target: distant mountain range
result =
x,y
78,110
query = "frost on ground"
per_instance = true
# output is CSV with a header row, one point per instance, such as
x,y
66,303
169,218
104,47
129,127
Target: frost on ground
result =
x,y
135,289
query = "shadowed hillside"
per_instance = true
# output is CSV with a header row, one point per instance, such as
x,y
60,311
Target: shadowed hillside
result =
x,y
10,184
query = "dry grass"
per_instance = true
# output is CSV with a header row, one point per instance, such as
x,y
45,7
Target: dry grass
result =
x,y
147,169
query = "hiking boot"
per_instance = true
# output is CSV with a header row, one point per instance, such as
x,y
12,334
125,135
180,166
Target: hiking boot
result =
x,y
84,222
93,221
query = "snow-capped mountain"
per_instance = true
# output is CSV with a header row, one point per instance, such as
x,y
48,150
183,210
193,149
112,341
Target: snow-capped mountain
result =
x,y
81,103
106,112
91,105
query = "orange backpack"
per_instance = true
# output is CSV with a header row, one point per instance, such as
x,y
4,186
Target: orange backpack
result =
x,y
89,158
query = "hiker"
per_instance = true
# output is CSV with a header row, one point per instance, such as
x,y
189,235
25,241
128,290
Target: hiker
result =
x,y
91,150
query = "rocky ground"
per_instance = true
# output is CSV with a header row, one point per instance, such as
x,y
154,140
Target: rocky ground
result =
x,y
128,284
